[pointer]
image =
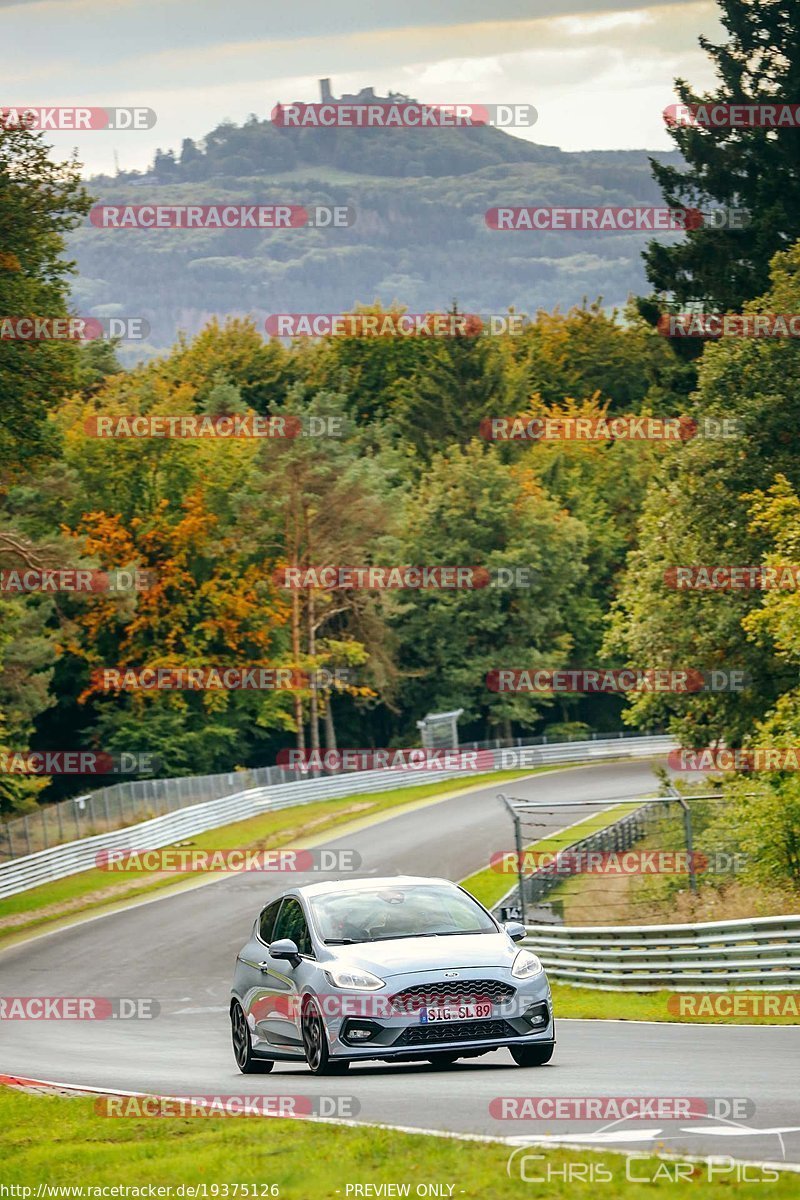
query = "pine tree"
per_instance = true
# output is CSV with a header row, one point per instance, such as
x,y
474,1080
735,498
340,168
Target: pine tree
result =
x,y
755,169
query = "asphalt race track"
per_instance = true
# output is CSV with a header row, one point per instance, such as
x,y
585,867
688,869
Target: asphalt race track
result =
x,y
180,950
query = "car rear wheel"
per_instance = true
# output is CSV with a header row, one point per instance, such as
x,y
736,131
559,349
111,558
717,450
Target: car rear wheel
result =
x,y
240,1035
532,1056
315,1044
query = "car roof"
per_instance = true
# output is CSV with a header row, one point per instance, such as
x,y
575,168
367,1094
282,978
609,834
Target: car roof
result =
x,y
350,885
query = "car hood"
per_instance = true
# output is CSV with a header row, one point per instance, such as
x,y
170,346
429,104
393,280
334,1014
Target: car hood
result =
x,y
404,956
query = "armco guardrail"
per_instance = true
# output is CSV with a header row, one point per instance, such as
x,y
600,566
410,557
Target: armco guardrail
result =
x,y
29,871
126,803
762,952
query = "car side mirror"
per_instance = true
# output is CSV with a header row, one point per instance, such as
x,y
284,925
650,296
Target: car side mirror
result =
x,y
285,948
515,930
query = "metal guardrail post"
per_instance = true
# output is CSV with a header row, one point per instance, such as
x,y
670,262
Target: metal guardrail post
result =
x,y
687,825
518,844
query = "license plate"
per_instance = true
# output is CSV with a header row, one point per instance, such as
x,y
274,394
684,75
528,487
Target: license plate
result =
x,y
455,1012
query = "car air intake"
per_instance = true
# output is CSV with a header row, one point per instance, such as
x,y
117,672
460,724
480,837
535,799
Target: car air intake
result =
x,y
439,994
455,1031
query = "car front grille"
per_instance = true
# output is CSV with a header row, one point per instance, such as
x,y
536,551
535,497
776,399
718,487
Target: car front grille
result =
x,y
455,1031
437,995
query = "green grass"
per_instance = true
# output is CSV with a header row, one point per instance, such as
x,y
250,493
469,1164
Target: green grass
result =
x,y
593,1003
98,888
63,1142
489,886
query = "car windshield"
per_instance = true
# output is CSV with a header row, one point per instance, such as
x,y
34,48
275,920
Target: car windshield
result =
x,y
397,911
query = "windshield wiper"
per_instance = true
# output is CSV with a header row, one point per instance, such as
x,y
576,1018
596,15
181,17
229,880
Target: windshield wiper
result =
x,y
399,937
458,933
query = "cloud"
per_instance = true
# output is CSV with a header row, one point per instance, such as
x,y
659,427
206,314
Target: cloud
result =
x,y
599,72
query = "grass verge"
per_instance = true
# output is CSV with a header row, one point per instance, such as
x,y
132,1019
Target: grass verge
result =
x,y
595,1004
98,889
62,1142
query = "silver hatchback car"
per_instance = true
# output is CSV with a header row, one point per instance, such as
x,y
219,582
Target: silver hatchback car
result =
x,y
398,969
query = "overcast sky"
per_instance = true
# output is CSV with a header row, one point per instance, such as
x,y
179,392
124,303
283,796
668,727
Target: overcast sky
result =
x,y
599,72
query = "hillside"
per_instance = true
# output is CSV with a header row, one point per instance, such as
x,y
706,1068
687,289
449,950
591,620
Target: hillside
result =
x,y
419,237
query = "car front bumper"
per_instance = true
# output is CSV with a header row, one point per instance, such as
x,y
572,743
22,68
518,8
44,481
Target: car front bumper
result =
x,y
525,1018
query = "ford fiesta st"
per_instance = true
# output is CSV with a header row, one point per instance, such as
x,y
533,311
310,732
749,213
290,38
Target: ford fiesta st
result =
x,y
398,969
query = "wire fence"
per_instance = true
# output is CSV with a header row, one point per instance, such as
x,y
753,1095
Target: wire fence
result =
x,y
29,871
564,877
122,804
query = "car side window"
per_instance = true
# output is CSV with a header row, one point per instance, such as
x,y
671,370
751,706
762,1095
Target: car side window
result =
x,y
267,922
292,924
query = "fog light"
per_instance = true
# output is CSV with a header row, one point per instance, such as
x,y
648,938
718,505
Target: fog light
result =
x,y
359,1031
537,1014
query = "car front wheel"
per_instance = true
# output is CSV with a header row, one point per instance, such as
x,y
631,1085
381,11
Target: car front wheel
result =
x,y
240,1035
532,1056
442,1061
315,1044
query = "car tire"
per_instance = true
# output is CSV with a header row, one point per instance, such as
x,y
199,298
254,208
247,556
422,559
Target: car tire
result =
x,y
315,1043
442,1061
532,1056
242,1048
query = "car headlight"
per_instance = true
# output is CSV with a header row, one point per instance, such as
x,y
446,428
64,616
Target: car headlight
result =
x,y
526,965
352,977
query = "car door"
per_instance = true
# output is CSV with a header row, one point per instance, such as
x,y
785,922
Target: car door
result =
x,y
274,1002
282,1020
258,983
